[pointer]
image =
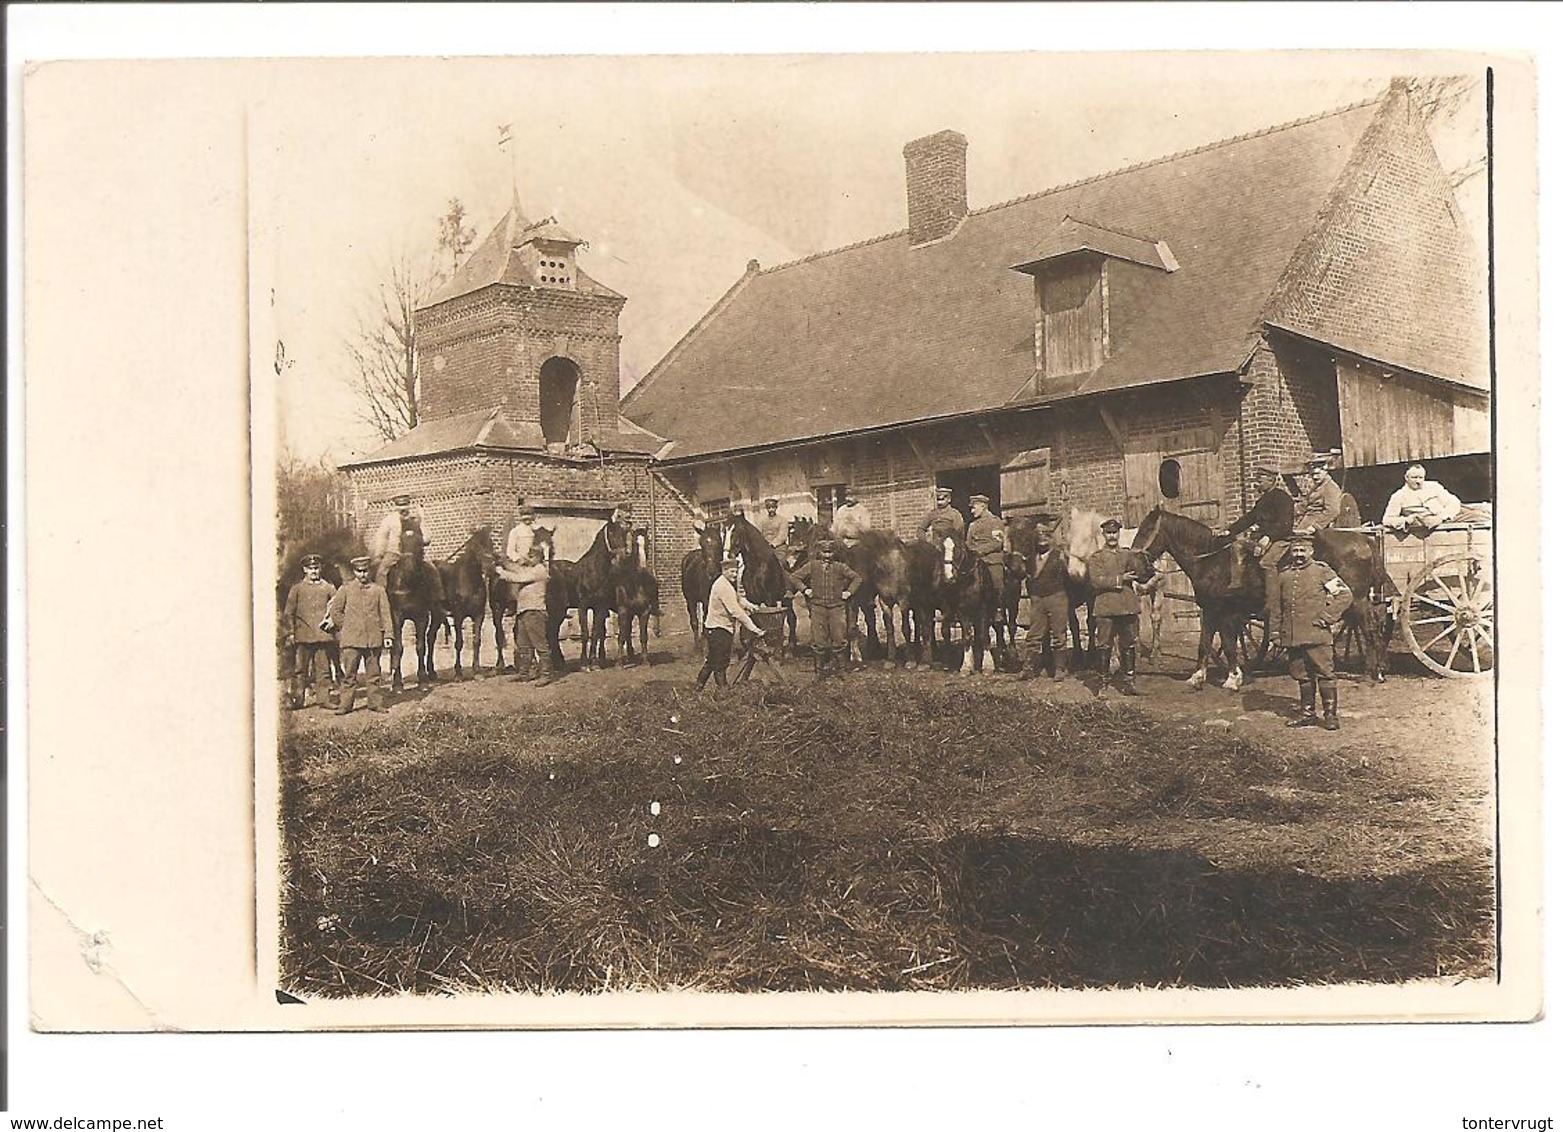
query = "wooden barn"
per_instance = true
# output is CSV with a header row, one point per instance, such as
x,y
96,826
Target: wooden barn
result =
x,y
519,380
1143,337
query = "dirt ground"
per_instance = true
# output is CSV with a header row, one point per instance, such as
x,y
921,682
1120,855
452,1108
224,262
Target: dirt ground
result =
x,y
1435,732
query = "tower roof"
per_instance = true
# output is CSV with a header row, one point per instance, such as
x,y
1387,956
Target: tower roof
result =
x,y
495,261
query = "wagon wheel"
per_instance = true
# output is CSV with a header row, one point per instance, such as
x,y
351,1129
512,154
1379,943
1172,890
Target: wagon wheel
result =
x,y
1254,643
1446,616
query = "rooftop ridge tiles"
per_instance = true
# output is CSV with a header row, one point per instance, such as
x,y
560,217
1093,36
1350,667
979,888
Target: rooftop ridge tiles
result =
x,y
1146,164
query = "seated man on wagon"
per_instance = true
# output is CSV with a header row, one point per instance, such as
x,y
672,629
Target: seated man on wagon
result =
x,y
1421,505
386,545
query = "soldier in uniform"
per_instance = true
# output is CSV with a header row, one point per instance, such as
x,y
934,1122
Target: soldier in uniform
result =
x,y
1270,520
944,521
1111,572
852,521
306,608
988,539
773,526
363,614
1319,499
531,578
1313,599
1049,585
385,546
518,544
828,585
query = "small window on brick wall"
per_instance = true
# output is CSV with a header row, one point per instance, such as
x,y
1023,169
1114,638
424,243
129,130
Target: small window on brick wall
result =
x,y
717,508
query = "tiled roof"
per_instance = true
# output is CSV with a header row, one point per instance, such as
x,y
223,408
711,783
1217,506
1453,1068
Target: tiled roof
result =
x,y
1073,235
880,333
493,429
495,261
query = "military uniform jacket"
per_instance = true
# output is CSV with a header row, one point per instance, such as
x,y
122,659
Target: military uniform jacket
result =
x,y
944,522
362,613
985,538
1052,576
1319,507
1114,597
774,528
853,522
307,605
1310,593
1272,516
827,580
388,535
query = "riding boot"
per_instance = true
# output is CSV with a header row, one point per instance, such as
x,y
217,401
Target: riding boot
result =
x,y
1331,709
1128,672
346,695
1057,661
1031,668
376,694
821,660
296,693
1104,669
1306,693
840,663
545,670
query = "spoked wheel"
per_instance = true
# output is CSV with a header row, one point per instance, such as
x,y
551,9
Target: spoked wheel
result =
x,y
1254,644
1447,616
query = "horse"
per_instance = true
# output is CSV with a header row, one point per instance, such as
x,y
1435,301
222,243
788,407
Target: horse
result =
x,y
466,575
409,587
967,590
760,572
1205,559
588,586
635,595
1078,536
697,573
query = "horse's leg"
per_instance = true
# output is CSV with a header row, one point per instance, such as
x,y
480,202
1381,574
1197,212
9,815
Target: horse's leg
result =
x,y
477,641
645,625
460,641
1231,633
396,655
626,647
1207,630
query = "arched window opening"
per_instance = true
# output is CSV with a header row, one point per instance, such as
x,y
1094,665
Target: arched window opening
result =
x,y
1169,478
557,387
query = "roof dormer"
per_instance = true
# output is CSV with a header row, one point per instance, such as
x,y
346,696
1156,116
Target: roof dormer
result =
x,y
549,252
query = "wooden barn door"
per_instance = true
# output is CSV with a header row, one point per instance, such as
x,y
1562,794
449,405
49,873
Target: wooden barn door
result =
x,y
1180,471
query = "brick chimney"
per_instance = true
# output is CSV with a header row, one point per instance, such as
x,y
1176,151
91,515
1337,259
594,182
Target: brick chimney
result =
x,y
935,185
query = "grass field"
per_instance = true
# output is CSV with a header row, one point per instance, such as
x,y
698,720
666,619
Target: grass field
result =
x,y
877,834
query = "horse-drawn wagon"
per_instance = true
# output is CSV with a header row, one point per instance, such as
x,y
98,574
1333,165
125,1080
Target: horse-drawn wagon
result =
x,y
1442,595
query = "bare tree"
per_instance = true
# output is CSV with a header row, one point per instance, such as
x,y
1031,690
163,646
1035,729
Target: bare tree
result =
x,y
383,349
1441,97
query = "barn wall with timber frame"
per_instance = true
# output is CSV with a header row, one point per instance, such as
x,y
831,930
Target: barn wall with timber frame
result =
x,y
1392,417
1104,454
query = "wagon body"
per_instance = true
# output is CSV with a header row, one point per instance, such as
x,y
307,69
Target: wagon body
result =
x,y
1442,595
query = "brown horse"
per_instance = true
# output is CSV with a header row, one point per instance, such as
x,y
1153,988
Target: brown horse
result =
x,y
966,590
635,595
1206,559
466,575
696,574
410,590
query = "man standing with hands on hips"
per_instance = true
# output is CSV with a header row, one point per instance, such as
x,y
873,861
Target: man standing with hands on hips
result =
x,y
1313,600
1116,611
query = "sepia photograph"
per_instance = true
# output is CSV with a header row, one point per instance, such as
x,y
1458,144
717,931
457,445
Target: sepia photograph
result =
x,y
1033,532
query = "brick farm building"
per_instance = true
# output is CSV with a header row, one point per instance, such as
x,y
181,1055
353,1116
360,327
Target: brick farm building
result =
x,y
1144,337
519,394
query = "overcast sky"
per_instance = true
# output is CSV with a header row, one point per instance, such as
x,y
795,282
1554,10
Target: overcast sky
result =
x,y
678,170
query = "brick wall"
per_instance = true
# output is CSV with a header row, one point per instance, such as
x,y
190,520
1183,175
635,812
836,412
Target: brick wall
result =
x,y
1390,271
461,493
895,479
488,348
1290,408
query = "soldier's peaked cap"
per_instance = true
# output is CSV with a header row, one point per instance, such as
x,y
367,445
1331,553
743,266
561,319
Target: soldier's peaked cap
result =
x,y
361,563
944,491
979,499
1112,525
1302,536
402,500
312,560
772,499
1320,459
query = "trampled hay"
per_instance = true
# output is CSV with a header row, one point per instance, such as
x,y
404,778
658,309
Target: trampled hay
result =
x,y
862,836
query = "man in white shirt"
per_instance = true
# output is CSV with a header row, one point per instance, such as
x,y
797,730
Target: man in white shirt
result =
x,y
519,543
726,609
1421,505
852,520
